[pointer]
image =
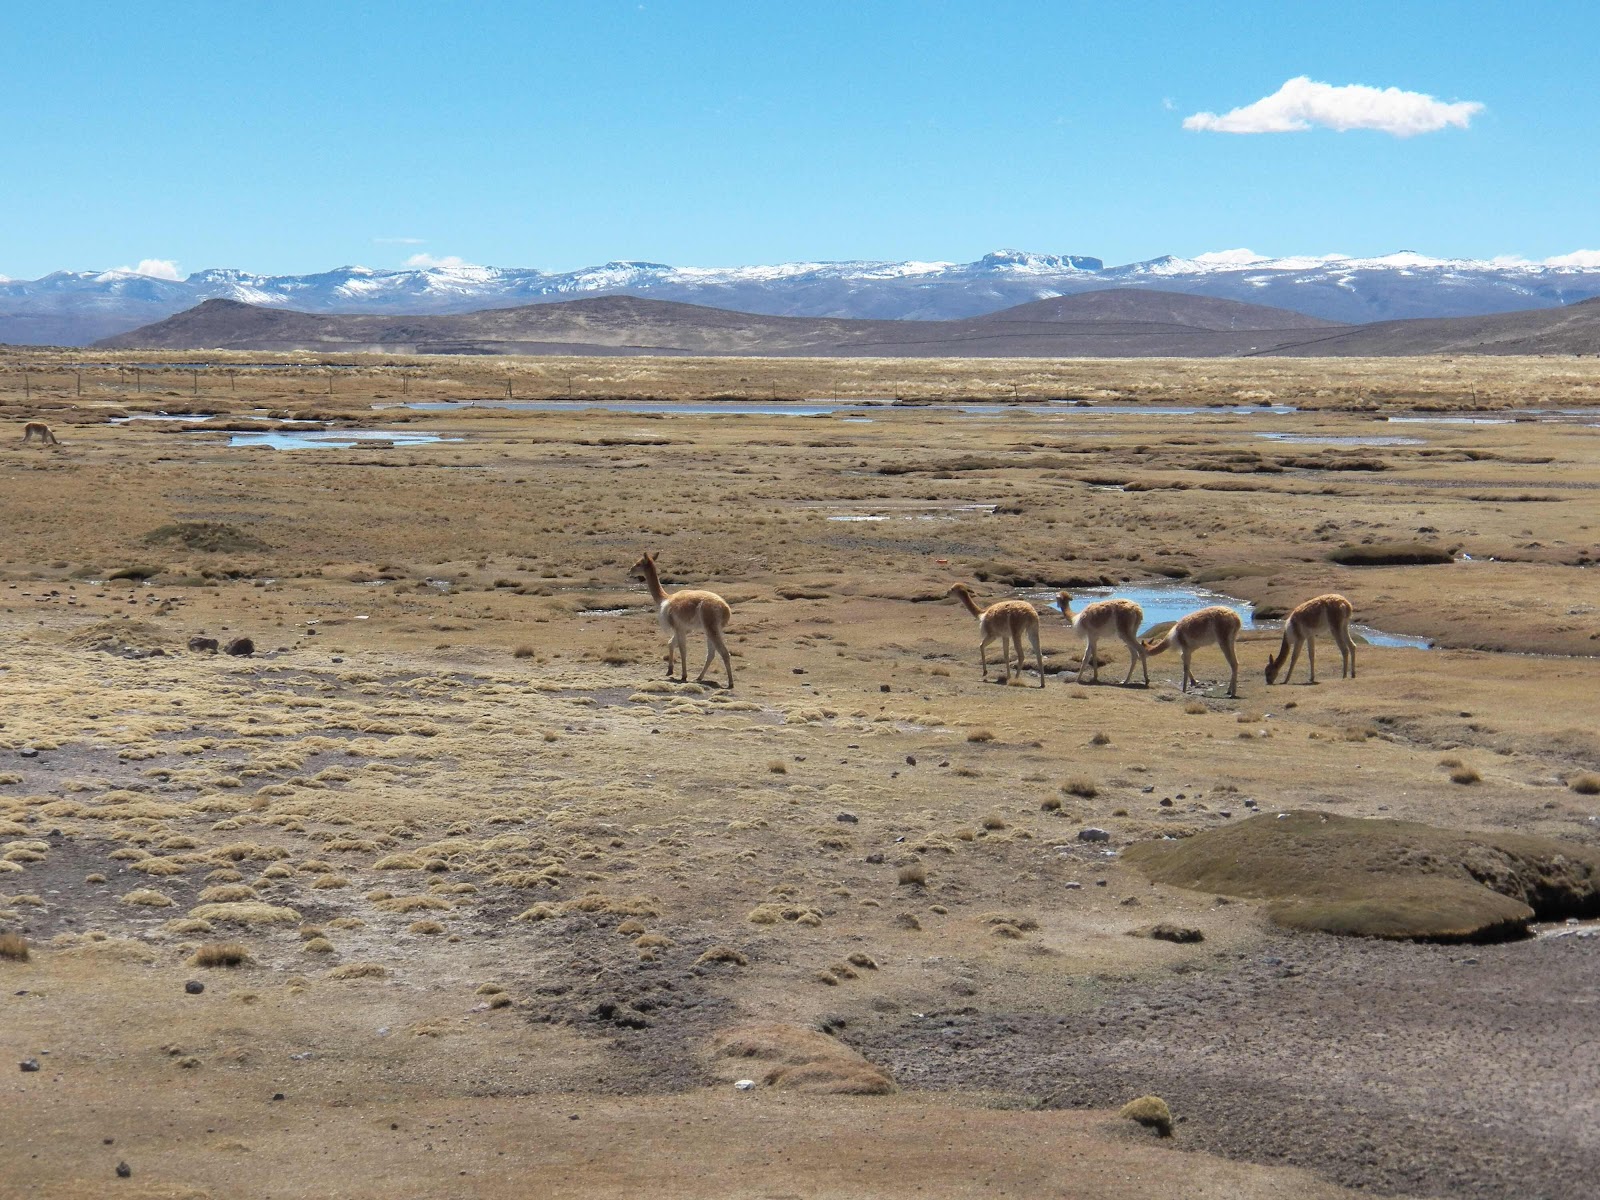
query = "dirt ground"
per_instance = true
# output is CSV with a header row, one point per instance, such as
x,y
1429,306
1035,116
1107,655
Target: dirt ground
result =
x,y
498,886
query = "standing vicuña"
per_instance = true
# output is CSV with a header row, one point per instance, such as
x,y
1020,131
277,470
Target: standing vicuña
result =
x,y
38,429
1118,617
1008,620
1215,624
1331,613
681,612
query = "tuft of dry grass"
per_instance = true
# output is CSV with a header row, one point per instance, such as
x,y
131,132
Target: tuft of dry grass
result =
x,y
360,970
220,954
993,821
1100,739
246,912
980,736
722,954
912,874
400,862
318,945
1081,786
778,767
523,651
149,897
1465,775
226,893
425,927
1195,708
1151,1112
13,947
1585,785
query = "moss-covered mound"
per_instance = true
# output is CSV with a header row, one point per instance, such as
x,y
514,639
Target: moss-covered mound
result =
x,y
1386,879
1391,554
208,536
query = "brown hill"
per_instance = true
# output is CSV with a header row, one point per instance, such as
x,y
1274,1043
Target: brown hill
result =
x,y
1114,324
1574,329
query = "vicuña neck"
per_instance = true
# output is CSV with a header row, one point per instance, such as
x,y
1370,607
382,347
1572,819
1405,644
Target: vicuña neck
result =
x,y
653,582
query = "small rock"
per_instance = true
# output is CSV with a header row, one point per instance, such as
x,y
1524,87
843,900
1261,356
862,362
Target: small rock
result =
x,y
1148,788
1091,834
194,987
277,1095
849,818
1073,886
1165,803
29,1064
204,644
911,760
28,752
798,670
883,687
744,1085
123,1170
240,647
875,859
1129,902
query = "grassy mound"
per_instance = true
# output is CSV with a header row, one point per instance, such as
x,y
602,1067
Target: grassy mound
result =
x,y
1386,879
791,1057
1390,554
207,536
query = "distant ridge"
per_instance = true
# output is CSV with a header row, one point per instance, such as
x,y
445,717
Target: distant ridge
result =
x,y
1107,324
77,307
1100,324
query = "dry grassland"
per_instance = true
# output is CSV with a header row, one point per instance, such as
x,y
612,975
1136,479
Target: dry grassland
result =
x,y
484,899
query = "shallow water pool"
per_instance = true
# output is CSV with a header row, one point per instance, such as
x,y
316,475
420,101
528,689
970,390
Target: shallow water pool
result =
x,y
1163,602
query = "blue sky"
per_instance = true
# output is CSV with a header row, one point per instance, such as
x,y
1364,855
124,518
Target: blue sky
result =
x,y
294,137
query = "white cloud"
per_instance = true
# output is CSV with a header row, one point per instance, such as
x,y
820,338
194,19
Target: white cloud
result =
x,y
155,268
1588,259
428,260
1302,103
400,241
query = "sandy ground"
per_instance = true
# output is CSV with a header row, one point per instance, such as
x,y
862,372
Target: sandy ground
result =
x,y
500,885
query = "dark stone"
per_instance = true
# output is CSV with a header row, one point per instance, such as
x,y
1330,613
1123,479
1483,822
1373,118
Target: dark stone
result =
x,y
194,987
1092,834
240,647
1181,934
29,1064
204,644
911,760
28,752
123,1170
849,818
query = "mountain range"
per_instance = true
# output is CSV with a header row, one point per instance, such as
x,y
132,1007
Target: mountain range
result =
x,y
1111,323
79,307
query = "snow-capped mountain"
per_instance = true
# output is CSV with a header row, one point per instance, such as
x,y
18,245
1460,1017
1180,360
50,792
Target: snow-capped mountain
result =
x,y
77,307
